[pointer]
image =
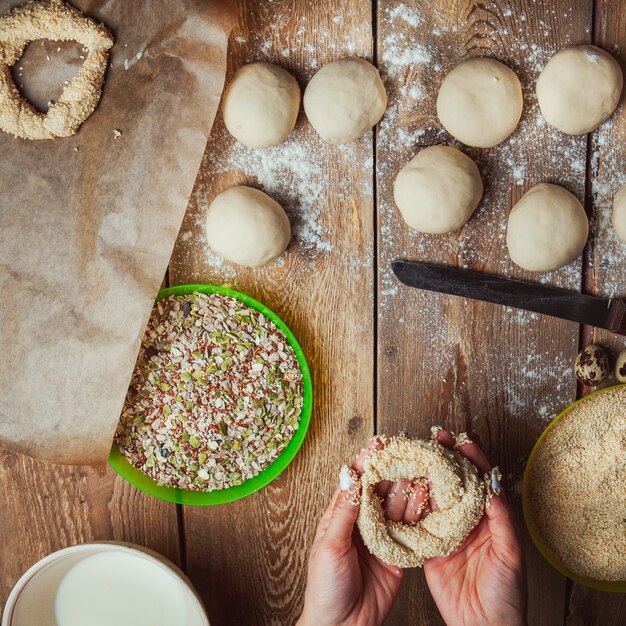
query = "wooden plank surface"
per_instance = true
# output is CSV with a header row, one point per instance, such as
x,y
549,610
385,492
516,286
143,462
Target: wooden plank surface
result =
x,y
605,269
382,356
497,373
248,559
44,508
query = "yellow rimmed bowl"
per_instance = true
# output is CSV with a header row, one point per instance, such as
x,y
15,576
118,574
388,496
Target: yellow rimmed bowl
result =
x,y
201,498
544,549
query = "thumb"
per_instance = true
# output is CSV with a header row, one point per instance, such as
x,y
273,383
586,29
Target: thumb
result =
x,y
503,529
345,510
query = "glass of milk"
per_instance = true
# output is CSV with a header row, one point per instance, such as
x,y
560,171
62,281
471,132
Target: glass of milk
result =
x,y
104,585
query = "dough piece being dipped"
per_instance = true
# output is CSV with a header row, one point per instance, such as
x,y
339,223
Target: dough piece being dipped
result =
x,y
455,485
438,190
547,229
480,102
57,21
260,105
579,88
344,99
246,226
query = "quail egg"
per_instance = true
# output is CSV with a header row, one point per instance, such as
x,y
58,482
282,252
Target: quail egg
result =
x,y
592,366
620,367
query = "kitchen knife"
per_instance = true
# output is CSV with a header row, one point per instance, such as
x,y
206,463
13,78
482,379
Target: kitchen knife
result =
x,y
609,313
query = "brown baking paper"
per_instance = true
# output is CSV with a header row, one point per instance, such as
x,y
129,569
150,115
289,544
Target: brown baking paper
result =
x,y
88,223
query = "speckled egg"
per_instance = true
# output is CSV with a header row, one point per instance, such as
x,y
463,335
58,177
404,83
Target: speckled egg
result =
x,y
620,367
592,365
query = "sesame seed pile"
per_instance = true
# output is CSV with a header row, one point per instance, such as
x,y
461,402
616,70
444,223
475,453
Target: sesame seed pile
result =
x,y
215,397
452,481
576,487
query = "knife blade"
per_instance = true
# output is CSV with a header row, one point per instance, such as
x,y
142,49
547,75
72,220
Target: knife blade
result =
x,y
608,313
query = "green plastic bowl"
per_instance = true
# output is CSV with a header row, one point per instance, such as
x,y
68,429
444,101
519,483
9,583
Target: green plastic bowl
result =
x,y
547,553
181,496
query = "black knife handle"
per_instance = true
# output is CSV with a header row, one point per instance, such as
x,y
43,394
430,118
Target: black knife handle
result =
x,y
617,317
554,301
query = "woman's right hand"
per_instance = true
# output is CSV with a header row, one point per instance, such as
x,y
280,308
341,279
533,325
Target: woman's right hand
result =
x,y
483,582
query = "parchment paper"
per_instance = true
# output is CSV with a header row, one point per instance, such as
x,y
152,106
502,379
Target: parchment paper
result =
x,y
88,223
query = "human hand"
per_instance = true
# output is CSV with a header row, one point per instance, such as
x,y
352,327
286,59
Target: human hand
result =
x,y
483,582
346,584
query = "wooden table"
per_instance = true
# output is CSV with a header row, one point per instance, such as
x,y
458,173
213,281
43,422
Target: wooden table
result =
x,y
383,357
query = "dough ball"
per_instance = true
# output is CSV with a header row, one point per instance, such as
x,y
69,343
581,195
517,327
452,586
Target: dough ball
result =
x,y
344,99
261,104
547,229
246,226
438,190
480,102
579,88
619,213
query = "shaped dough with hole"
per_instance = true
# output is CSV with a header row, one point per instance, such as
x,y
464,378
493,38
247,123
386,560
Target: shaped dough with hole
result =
x,y
56,21
459,491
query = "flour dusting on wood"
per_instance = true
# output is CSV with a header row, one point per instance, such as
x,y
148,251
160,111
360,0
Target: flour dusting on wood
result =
x,y
608,174
299,178
413,73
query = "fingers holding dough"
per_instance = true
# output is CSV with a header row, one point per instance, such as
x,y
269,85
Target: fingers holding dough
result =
x,y
417,506
467,448
395,503
375,443
445,437
473,453
404,535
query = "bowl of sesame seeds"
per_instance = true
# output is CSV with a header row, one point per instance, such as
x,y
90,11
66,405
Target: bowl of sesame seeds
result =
x,y
219,402
573,495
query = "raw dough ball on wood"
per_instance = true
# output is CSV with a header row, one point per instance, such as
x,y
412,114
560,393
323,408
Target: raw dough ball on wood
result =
x,y
480,102
246,226
547,229
438,190
344,99
579,88
619,213
260,106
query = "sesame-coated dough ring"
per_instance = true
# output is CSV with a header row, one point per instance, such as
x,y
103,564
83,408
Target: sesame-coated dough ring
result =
x,y
455,485
56,21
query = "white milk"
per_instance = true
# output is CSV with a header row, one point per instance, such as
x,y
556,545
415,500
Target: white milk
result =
x,y
120,589
36,605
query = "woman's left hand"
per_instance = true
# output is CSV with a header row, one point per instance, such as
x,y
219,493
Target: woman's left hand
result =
x,y
346,584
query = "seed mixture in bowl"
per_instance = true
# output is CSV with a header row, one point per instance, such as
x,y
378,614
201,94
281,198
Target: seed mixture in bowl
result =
x,y
215,397
575,487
